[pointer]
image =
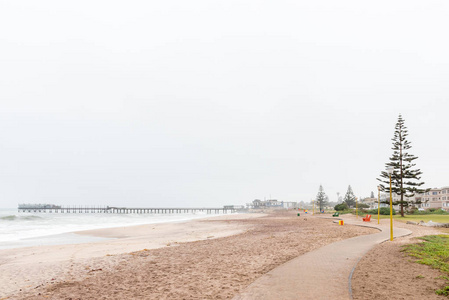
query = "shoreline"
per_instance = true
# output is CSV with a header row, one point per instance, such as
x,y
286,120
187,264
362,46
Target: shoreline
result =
x,y
24,268
211,259
67,238
47,231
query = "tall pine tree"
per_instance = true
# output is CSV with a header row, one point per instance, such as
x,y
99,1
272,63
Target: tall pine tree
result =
x,y
349,198
321,198
405,179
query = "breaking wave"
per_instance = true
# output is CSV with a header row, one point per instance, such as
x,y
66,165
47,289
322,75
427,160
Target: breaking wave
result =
x,y
19,218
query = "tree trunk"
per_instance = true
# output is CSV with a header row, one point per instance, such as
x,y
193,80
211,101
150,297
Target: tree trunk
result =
x,y
402,209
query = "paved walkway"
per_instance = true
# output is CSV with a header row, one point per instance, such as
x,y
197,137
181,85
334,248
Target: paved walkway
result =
x,y
321,274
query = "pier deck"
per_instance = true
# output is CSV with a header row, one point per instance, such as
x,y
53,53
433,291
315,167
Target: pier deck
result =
x,y
121,210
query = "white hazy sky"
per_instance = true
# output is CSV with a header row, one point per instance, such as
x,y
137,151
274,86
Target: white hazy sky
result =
x,y
208,103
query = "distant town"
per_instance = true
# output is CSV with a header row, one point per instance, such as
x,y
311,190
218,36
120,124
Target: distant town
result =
x,y
435,198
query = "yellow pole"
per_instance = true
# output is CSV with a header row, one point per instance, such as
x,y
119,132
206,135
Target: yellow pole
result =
x,y
378,204
391,214
356,214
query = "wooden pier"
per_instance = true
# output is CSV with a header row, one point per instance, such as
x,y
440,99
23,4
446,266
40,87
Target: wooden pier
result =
x,y
119,210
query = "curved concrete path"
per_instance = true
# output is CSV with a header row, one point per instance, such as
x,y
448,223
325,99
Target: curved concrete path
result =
x,y
321,274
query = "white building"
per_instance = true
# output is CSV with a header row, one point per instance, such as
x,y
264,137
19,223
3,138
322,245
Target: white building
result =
x,y
288,205
434,198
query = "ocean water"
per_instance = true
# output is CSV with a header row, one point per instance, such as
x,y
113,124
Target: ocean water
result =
x,y
19,229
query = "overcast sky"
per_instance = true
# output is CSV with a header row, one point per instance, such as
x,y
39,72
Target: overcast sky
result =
x,y
207,103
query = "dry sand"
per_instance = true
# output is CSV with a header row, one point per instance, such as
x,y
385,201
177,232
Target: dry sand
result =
x,y
23,269
212,268
387,273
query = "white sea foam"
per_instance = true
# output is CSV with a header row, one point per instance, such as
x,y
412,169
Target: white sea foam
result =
x,y
18,227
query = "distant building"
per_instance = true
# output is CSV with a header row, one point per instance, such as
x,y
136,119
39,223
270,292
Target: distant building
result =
x,y
288,205
272,203
437,198
373,202
258,203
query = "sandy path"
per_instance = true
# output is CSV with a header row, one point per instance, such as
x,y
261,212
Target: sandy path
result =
x,y
320,274
208,269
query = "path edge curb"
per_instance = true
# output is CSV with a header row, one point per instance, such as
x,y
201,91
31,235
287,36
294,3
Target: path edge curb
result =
x,y
355,266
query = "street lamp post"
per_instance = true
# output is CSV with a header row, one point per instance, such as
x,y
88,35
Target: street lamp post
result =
x,y
390,171
378,204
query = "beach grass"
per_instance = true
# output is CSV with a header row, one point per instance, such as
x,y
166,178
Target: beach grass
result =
x,y
434,252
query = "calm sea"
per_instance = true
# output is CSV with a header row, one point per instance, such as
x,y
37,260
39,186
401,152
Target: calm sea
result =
x,y
19,229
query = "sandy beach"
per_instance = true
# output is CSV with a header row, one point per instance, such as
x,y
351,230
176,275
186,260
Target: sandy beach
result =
x,y
26,268
202,259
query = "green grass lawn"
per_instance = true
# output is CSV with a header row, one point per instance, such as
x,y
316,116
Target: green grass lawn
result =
x,y
417,218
